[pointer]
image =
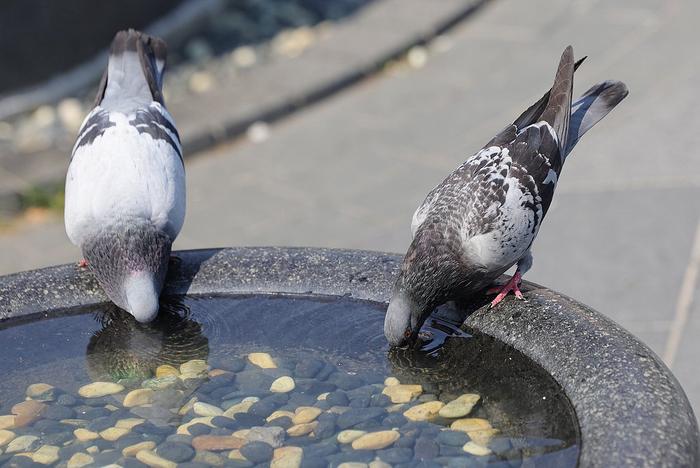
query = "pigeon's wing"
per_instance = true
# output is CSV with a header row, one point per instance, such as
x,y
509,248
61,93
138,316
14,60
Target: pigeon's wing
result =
x,y
125,167
471,195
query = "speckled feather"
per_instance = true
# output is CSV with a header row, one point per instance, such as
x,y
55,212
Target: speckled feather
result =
x,y
484,217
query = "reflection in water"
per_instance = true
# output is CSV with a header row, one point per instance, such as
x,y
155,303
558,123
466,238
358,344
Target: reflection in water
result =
x,y
452,362
127,351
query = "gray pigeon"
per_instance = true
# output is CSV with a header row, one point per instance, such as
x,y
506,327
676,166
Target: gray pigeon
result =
x,y
125,188
483,218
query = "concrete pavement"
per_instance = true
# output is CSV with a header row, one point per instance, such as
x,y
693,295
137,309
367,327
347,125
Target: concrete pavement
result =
x,y
349,171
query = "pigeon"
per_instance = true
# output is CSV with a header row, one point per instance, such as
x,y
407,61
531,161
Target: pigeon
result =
x,y
483,218
125,187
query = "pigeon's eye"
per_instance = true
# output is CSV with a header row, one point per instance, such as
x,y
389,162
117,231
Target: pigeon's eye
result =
x,y
407,333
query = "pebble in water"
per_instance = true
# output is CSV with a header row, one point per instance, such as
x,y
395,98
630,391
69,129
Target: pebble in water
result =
x,y
400,393
7,421
375,440
262,360
99,389
257,452
27,412
460,406
166,370
287,457
195,367
6,436
40,391
280,414
483,436
284,384
25,443
138,397
46,455
217,443
205,409
389,381
470,424
424,411
113,433
476,449
302,429
305,414
84,435
175,451
149,458
274,436
349,435
129,423
79,460
132,450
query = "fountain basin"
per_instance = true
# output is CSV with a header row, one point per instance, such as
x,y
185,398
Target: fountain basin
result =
x,y
629,408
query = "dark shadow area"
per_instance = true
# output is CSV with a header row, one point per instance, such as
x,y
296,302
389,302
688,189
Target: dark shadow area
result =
x,y
39,38
30,30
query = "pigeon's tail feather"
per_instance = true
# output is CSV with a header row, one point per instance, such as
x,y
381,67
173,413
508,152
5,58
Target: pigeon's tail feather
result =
x,y
135,70
533,113
592,106
558,109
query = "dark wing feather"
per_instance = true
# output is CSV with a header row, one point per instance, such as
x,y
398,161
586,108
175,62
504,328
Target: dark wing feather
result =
x,y
558,109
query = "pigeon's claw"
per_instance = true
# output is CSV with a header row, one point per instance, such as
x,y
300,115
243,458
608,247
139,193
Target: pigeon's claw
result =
x,y
512,285
83,263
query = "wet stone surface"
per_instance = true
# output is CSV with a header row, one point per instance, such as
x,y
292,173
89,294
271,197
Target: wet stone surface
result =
x,y
231,391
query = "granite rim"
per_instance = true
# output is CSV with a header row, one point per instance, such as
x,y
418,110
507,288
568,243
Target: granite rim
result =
x,y
631,409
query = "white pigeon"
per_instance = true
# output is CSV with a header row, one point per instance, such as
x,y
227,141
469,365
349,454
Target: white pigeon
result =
x,y
483,218
125,187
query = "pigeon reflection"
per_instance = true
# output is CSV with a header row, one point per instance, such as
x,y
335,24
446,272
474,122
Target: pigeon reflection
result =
x,y
127,351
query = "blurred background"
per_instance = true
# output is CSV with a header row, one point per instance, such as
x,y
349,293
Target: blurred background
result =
x,y
326,122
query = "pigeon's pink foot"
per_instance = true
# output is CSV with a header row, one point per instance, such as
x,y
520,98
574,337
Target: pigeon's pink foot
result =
x,y
512,285
82,263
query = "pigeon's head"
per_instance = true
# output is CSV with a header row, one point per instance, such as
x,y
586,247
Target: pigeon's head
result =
x,y
403,320
130,262
428,274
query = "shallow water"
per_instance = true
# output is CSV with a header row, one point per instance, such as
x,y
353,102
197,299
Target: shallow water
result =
x,y
325,344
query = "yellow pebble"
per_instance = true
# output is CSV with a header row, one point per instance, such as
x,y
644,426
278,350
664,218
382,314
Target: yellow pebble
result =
x,y
305,414
166,370
302,429
280,414
129,423
476,449
138,397
287,457
151,459
113,433
132,450
375,440
262,360
470,424
84,435
424,411
389,381
400,393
